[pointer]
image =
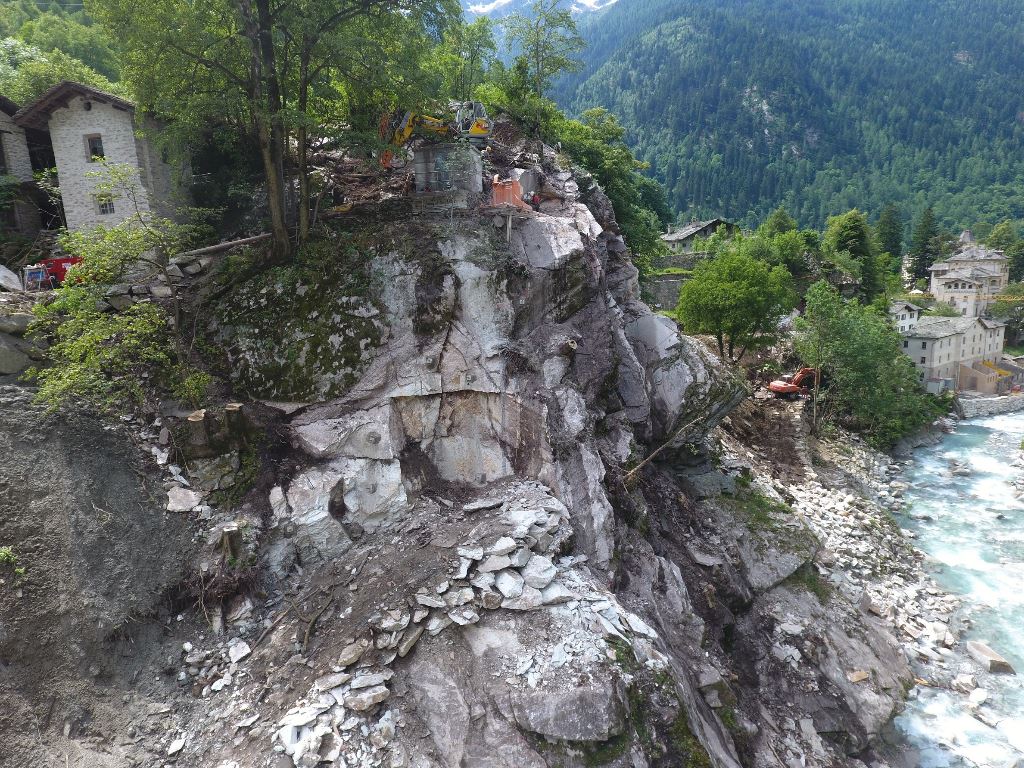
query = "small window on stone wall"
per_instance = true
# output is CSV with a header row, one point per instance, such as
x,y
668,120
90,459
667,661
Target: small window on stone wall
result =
x,y
104,204
3,157
94,147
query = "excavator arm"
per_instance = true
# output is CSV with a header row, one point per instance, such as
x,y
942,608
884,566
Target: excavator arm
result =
x,y
470,122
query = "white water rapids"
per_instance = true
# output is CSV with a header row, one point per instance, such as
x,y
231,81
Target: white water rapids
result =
x,y
972,528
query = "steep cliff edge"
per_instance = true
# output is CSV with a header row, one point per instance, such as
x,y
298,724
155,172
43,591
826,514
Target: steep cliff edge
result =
x,y
450,563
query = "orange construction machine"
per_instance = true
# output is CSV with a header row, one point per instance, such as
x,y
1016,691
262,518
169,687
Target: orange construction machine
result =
x,y
794,385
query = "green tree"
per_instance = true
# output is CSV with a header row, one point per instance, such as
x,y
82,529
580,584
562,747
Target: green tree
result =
x,y
1003,236
26,72
869,383
546,39
738,299
778,222
597,141
889,234
850,234
1010,308
464,57
86,42
924,246
268,68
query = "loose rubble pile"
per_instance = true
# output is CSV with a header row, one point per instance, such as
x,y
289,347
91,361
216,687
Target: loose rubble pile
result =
x,y
517,570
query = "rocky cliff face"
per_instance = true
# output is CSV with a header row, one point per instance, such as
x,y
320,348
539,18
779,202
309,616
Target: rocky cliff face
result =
x,y
451,563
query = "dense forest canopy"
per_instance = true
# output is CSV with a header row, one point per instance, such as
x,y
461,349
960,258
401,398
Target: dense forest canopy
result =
x,y
820,105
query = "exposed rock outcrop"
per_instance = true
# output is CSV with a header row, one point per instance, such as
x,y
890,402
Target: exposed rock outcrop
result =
x,y
447,563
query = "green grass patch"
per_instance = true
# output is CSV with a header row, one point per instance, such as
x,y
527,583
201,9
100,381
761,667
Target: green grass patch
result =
x,y
807,578
759,511
9,559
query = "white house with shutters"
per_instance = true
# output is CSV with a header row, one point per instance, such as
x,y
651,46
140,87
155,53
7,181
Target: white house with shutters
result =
x,y
904,315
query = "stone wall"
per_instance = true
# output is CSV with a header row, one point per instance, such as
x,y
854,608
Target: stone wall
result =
x,y
687,260
15,149
69,127
972,407
662,291
448,166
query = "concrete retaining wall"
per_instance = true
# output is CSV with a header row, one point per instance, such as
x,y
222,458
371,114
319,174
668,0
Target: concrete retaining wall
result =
x,y
970,407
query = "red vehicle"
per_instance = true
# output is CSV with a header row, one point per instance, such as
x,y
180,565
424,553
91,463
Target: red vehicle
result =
x,y
49,273
792,386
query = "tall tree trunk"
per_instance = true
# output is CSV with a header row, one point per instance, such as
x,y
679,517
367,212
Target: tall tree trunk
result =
x,y
301,139
267,119
281,245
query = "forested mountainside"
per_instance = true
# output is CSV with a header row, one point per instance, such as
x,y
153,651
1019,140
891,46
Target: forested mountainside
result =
x,y
821,105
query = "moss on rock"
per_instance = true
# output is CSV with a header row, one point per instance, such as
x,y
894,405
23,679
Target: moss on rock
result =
x,y
306,330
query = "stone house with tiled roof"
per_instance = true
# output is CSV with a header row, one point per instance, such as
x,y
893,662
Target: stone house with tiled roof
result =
x,y
961,353
904,315
970,279
681,240
83,125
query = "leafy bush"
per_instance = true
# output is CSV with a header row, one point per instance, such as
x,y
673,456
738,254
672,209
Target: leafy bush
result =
x,y
101,357
192,386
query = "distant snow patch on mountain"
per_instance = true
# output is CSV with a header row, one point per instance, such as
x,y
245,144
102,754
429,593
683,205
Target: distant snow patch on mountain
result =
x,y
491,7
501,7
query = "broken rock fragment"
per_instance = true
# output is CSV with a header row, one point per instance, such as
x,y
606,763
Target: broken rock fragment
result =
x,y
503,546
530,599
351,653
182,499
988,658
362,700
509,583
539,572
494,563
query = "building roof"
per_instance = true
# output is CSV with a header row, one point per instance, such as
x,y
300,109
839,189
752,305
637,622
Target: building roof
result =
x,y
692,229
37,114
970,275
7,106
990,324
968,255
940,327
899,306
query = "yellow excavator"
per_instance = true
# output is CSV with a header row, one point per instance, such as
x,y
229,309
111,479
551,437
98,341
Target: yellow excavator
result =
x,y
468,120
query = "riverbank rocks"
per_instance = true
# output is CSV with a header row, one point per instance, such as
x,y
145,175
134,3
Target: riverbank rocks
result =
x,y
989,659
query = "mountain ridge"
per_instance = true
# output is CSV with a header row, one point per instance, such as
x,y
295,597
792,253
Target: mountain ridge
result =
x,y
821,106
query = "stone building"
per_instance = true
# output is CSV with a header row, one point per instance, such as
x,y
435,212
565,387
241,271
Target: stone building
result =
x,y
970,279
961,353
682,240
904,315
18,213
85,124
